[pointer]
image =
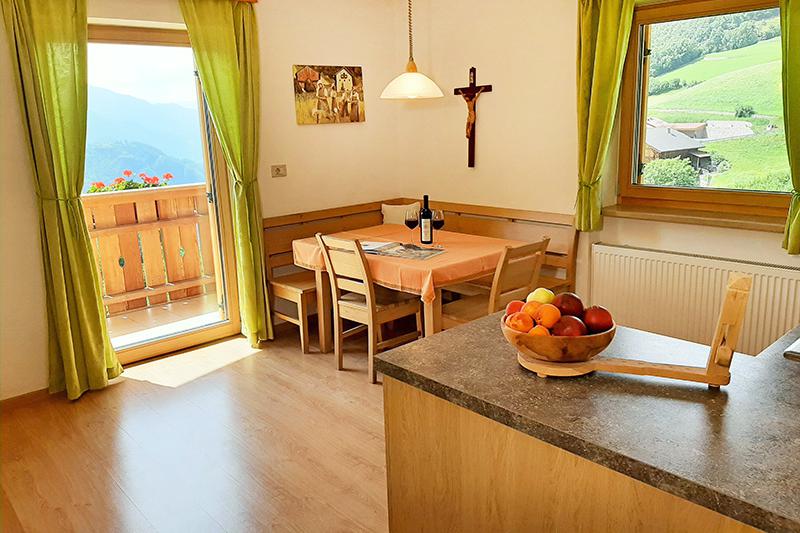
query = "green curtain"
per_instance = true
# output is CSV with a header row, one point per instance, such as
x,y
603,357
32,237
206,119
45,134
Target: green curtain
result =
x,y
224,40
48,46
604,27
790,37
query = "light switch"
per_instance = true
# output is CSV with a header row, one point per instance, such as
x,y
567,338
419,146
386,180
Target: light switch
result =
x,y
278,171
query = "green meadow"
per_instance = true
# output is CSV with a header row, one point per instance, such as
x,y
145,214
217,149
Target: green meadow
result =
x,y
756,85
720,63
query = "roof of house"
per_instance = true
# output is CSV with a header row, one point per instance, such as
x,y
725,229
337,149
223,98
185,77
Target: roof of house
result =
x,y
670,140
307,74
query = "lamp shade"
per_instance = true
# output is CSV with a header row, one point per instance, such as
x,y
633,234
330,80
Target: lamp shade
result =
x,y
411,85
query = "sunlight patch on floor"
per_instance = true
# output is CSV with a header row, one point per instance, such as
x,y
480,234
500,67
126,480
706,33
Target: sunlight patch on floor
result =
x,y
179,369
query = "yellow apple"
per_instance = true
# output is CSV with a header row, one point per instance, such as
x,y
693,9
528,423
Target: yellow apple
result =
x,y
541,295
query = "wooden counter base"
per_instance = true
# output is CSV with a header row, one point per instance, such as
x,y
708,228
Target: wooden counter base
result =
x,y
450,469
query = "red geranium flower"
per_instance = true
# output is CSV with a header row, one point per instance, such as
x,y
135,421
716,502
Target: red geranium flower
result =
x,y
142,175
127,173
98,184
119,181
168,176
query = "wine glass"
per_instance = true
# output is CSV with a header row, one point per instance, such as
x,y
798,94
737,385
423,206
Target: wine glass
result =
x,y
412,221
437,221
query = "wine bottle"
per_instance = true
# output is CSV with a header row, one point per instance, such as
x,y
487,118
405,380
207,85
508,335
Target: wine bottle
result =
x,y
425,228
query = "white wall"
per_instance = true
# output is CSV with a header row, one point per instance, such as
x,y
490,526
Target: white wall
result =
x,y
526,140
23,320
331,164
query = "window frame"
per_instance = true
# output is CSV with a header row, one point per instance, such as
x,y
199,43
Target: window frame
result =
x,y
633,113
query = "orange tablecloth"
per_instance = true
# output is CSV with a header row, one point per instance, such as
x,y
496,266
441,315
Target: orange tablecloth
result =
x,y
465,257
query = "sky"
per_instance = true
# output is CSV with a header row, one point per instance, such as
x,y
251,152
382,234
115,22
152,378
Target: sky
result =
x,y
157,74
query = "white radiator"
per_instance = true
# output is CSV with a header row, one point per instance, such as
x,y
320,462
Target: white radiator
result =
x,y
680,294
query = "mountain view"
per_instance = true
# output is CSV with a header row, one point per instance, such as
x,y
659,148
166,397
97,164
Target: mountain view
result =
x,y
142,115
715,108
128,133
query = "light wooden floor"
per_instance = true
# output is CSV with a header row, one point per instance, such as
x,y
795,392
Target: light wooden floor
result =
x,y
272,440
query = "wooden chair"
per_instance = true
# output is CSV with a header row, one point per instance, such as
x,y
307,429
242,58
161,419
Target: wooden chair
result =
x,y
357,299
516,275
299,288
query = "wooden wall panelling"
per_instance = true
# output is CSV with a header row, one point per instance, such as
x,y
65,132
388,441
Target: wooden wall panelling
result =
x,y
152,254
172,247
109,254
519,224
130,253
189,242
280,238
88,217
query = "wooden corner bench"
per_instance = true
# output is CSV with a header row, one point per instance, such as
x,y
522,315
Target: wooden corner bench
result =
x,y
558,272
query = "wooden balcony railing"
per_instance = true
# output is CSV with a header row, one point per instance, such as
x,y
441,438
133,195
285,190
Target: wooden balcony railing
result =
x,y
152,245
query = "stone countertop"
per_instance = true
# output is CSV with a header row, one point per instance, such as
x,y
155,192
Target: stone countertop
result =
x,y
735,450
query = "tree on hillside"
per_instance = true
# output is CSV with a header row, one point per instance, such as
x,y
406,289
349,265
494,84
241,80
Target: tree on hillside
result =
x,y
675,172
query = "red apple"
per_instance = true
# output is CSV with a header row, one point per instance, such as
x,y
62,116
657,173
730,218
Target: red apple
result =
x,y
569,326
569,303
597,319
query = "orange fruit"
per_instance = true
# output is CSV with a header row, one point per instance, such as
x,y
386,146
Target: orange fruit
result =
x,y
540,331
547,315
521,322
531,307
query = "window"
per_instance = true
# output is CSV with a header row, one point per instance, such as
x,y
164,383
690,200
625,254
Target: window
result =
x,y
702,109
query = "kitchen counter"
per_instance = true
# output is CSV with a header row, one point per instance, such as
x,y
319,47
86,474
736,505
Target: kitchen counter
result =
x,y
735,451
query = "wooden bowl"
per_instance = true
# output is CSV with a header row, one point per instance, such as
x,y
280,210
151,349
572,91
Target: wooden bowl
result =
x,y
558,349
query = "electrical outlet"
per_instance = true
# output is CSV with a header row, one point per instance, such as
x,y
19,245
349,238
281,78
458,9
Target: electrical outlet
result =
x,y
278,171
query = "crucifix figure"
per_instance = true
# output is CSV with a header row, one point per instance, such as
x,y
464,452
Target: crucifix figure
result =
x,y
470,95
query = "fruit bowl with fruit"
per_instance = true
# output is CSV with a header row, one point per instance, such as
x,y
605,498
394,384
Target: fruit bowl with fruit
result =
x,y
557,328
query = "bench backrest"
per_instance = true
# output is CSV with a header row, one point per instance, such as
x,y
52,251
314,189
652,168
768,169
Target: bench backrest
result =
x,y
517,224
280,231
522,225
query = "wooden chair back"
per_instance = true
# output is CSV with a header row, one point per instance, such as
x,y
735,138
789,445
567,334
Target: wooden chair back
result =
x,y
517,273
347,267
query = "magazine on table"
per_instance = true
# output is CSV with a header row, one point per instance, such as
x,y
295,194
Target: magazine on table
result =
x,y
398,249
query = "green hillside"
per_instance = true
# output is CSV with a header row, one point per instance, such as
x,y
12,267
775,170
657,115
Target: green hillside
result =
x,y
757,86
752,158
719,63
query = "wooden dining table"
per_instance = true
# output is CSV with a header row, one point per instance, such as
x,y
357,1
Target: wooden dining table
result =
x,y
464,257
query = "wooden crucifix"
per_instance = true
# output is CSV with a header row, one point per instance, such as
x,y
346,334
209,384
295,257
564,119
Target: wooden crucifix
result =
x,y
470,95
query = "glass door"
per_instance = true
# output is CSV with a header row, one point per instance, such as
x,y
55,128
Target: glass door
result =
x,y
153,200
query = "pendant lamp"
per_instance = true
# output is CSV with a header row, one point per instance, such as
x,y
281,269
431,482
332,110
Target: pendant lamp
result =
x,y
411,84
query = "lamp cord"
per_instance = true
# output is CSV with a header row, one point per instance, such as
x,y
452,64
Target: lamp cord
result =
x,y
410,34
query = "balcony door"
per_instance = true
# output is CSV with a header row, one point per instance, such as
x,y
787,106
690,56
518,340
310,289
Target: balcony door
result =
x,y
155,195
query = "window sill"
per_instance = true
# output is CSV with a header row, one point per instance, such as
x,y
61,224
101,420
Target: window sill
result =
x,y
699,218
